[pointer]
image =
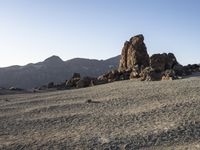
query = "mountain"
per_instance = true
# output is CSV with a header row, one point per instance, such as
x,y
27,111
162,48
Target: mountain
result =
x,y
53,69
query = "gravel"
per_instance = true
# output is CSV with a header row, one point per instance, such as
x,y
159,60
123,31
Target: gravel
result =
x,y
120,115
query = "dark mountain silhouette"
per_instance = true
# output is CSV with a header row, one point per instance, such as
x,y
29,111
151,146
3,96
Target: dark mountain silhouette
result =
x,y
53,69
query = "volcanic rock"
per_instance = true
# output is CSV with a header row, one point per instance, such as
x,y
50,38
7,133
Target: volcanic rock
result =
x,y
169,74
134,53
158,61
179,70
149,74
111,76
193,68
73,81
86,81
170,61
162,62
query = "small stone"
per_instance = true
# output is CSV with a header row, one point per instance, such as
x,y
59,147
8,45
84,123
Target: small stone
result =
x,y
89,101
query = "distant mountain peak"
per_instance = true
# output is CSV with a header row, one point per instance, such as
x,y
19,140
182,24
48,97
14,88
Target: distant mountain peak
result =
x,y
53,59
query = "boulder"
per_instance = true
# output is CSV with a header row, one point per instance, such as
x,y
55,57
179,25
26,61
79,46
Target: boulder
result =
x,y
61,86
157,62
126,74
170,61
179,70
134,53
149,74
167,78
73,81
76,76
162,62
85,82
103,79
193,67
111,76
169,75
135,73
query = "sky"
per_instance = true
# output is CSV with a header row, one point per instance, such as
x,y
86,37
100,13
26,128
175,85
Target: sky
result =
x,y
33,30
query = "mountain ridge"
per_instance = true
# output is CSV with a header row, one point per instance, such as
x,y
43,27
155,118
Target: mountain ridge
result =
x,y
53,69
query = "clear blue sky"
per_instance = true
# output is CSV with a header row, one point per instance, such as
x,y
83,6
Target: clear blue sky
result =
x,y
32,30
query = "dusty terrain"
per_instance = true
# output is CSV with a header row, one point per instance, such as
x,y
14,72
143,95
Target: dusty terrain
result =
x,y
122,115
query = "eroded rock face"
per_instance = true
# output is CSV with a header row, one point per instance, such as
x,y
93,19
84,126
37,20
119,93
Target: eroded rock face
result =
x,y
111,76
179,70
134,53
135,59
170,61
162,62
149,74
157,62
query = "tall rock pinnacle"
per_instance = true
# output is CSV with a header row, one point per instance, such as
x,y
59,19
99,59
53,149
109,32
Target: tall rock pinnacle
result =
x,y
134,54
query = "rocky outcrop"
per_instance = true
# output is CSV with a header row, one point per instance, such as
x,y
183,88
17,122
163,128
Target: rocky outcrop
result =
x,y
134,54
192,68
135,59
169,74
86,82
134,63
111,76
149,74
162,62
73,81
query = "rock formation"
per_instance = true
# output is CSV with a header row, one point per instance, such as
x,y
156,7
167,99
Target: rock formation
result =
x,y
162,62
134,54
86,81
73,81
134,63
149,74
161,68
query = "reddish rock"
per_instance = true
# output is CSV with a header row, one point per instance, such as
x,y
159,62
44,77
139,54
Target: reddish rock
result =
x,y
134,53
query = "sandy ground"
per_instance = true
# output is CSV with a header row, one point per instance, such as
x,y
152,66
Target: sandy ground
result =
x,y
122,115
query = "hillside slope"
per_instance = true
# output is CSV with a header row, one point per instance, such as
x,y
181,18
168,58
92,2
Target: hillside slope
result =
x,y
122,115
53,69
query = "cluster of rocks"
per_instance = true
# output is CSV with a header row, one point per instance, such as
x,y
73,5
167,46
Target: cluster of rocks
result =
x,y
75,82
136,61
